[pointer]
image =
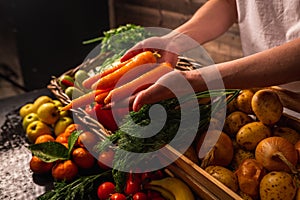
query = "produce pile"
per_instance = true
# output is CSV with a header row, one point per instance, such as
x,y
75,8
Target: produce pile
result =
x,y
255,156
58,147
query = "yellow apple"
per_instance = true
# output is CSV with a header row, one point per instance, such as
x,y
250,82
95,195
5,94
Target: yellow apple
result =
x,y
41,100
31,117
36,129
62,124
57,103
64,113
48,113
26,109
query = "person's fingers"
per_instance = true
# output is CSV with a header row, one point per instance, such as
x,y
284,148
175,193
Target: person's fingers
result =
x,y
124,103
153,94
130,53
170,57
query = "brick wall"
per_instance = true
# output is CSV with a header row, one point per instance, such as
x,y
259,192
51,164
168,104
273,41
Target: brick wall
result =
x,y
170,14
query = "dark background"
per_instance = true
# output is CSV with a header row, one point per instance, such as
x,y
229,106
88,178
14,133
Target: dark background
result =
x,y
49,35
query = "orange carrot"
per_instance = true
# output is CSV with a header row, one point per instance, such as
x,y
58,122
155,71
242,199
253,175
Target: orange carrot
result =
x,y
111,79
139,83
100,97
91,80
82,100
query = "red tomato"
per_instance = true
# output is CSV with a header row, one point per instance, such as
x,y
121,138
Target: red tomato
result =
x,y
133,184
105,159
105,190
139,196
117,196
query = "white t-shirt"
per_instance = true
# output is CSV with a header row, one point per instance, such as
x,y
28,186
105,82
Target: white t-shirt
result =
x,y
265,24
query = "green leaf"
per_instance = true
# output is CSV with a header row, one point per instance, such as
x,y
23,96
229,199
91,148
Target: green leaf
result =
x,y
49,151
72,140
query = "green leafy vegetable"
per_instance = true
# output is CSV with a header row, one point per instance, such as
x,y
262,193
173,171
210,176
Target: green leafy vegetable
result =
x,y
80,189
117,41
125,141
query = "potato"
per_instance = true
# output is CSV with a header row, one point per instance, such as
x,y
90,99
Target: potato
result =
x,y
267,106
288,133
223,175
231,106
251,134
243,101
277,185
235,121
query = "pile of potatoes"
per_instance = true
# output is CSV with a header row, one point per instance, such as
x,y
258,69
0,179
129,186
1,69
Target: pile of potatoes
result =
x,y
258,144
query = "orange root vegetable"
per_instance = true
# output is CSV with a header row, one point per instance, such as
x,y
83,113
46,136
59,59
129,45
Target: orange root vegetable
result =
x,y
139,83
100,97
91,80
112,79
82,100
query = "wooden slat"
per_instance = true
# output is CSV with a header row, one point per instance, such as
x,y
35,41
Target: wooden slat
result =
x,y
200,181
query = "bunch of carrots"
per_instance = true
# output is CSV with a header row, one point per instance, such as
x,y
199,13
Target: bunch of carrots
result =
x,y
122,80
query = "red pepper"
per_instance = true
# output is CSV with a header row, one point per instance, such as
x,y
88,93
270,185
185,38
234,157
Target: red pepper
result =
x,y
107,118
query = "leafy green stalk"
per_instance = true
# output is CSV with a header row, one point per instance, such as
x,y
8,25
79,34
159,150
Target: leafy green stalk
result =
x,y
129,143
80,189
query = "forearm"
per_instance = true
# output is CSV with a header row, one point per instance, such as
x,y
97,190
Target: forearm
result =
x,y
272,67
210,21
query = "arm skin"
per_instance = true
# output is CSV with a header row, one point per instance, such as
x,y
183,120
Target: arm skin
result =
x,y
275,66
210,21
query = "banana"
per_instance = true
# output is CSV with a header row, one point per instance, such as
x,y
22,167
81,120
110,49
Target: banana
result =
x,y
178,188
165,193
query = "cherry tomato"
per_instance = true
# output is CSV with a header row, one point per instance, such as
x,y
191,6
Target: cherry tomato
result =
x,y
105,190
105,159
117,196
133,184
139,196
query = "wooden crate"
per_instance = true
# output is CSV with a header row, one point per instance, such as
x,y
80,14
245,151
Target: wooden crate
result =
x,y
202,183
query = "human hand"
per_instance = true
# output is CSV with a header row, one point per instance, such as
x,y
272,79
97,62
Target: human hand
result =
x,y
165,46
